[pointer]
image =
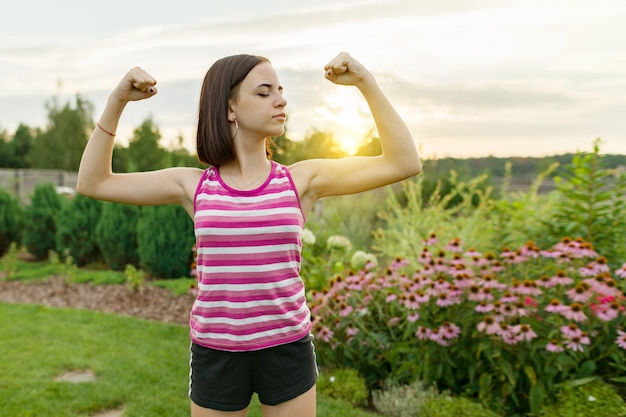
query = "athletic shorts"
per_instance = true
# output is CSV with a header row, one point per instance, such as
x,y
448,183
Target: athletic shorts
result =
x,y
225,381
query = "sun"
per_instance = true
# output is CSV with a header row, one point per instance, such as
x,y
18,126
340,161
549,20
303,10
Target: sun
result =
x,y
347,116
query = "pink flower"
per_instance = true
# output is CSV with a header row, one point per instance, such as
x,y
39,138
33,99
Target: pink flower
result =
x,y
445,300
450,330
352,331
391,297
489,325
413,317
483,307
525,332
561,278
423,333
528,287
554,346
507,297
454,245
394,321
621,272
574,312
345,310
576,343
621,339
571,330
437,336
581,293
325,334
554,306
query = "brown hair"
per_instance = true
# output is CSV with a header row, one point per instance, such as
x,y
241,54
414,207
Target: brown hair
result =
x,y
221,83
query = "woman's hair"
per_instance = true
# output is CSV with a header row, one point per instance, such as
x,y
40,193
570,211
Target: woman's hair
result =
x,y
221,83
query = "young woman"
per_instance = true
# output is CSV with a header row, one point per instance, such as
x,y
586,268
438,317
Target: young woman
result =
x,y
250,325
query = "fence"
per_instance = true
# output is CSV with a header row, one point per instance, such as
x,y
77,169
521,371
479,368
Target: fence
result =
x,y
21,182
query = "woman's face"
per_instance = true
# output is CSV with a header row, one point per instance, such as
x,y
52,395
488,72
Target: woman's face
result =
x,y
259,106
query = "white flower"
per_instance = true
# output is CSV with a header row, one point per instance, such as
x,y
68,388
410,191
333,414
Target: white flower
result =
x,y
360,259
308,237
338,242
332,379
591,398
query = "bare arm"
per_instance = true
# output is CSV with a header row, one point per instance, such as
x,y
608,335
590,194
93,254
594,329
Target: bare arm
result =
x,y
95,176
318,178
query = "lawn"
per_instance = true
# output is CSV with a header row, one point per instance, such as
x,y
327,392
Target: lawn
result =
x,y
139,365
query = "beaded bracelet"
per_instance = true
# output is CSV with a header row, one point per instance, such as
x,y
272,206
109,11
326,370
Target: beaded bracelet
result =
x,y
104,130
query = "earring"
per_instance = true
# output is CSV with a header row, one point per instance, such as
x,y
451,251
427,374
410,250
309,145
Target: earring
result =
x,y
236,130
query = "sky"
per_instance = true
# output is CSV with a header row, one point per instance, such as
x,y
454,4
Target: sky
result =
x,y
470,78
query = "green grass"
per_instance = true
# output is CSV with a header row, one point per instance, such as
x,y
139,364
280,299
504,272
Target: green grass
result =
x,y
140,365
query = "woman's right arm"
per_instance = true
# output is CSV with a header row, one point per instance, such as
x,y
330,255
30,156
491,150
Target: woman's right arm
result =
x,y
95,176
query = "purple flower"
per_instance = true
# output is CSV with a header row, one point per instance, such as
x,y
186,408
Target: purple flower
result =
x,y
574,312
621,339
554,346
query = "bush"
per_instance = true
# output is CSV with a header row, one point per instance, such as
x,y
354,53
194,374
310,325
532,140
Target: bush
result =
x,y
40,220
446,406
408,400
76,227
587,398
116,234
10,221
592,205
506,329
343,384
165,237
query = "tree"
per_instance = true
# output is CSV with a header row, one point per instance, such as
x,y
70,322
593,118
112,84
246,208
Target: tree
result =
x,y
40,220
317,144
21,145
60,145
144,151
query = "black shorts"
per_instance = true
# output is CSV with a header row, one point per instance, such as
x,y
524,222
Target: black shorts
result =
x,y
225,381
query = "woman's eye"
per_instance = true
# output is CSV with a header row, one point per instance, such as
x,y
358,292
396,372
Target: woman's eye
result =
x,y
264,94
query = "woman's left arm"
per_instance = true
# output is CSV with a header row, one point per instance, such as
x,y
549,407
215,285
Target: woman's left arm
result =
x,y
318,178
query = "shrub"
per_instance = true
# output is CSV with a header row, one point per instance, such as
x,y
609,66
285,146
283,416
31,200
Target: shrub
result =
x,y
40,220
592,205
506,329
408,400
165,237
343,384
446,406
10,221
76,227
116,234
586,398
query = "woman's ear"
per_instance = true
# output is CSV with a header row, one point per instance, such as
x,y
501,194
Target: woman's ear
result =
x,y
231,111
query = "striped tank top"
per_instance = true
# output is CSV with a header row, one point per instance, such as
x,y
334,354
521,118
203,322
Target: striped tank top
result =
x,y
250,294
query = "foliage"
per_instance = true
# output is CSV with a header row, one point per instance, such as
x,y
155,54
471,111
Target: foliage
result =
x,y
144,152
165,236
40,220
13,153
343,384
592,204
63,265
407,400
590,397
76,226
10,221
446,406
116,235
61,144
9,262
505,329
466,210
134,278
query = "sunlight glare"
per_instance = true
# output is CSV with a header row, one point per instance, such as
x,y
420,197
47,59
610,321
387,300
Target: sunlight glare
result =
x,y
347,116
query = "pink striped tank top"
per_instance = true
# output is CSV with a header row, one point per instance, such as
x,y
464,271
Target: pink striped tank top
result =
x,y
250,294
